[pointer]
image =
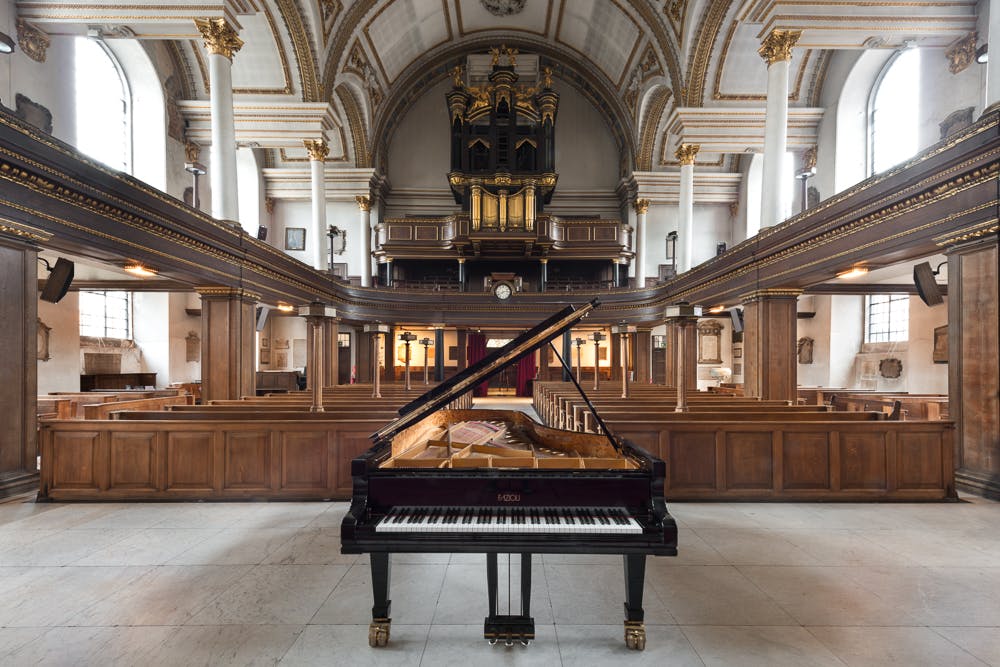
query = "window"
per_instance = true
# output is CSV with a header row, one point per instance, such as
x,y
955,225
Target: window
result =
x,y
103,106
106,314
894,111
888,318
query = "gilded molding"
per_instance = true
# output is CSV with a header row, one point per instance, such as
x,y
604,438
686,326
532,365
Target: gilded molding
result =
x,y
708,31
641,206
961,53
809,158
364,202
770,293
21,230
221,292
355,119
686,153
981,230
650,124
777,46
317,149
33,42
219,36
305,57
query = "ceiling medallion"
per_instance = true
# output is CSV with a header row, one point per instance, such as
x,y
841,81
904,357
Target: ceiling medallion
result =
x,y
503,7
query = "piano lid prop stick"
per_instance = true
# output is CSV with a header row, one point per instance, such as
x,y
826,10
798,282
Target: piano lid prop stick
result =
x,y
611,438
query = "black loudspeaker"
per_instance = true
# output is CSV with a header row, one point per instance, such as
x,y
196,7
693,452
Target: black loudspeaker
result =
x,y
57,284
927,287
736,314
262,312
261,233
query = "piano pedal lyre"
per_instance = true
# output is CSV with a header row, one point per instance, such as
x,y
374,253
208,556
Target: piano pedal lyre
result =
x,y
635,635
378,632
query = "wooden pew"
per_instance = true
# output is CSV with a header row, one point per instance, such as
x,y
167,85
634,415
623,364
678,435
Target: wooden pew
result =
x,y
104,410
912,406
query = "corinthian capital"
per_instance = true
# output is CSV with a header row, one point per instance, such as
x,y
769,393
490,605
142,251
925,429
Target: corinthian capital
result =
x,y
219,37
686,153
317,148
641,206
778,45
364,202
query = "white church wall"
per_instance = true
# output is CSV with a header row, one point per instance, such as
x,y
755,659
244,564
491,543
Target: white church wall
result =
x,y
62,371
846,336
922,375
817,373
852,144
712,225
942,93
292,213
45,83
148,112
346,215
181,326
285,331
151,324
250,189
842,62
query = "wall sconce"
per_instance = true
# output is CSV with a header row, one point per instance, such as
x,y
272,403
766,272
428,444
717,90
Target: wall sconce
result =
x,y
338,240
853,272
983,54
286,308
137,269
6,43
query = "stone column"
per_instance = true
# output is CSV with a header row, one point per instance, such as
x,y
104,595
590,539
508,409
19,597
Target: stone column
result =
x,y
318,150
681,321
642,356
641,206
18,365
407,337
776,50
624,331
597,337
222,44
317,314
439,355
686,154
993,66
670,355
365,206
973,367
543,273
376,331
228,334
331,352
769,335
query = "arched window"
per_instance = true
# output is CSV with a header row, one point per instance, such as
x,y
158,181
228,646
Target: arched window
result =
x,y
103,106
894,112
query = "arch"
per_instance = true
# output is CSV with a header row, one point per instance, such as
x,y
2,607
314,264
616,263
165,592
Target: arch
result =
x,y
305,54
651,114
901,97
355,119
103,102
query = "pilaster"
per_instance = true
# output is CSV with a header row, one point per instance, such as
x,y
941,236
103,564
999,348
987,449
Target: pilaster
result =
x,y
769,335
228,322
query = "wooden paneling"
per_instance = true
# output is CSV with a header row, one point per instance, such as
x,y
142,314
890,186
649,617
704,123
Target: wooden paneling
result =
x,y
248,460
425,233
920,461
190,460
749,462
577,233
691,461
863,460
806,460
133,460
77,465
305,461
350,443
769,337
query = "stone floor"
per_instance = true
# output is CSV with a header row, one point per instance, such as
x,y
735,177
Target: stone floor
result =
x,y
265,583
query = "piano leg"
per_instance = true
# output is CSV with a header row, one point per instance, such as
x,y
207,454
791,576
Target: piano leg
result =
x,y
378,630
509,628
635,575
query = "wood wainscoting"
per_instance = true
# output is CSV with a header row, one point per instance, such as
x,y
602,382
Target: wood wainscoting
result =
x,y
192,460
844,461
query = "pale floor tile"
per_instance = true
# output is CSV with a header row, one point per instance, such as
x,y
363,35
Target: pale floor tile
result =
x,y
601,645
825,596
52,595
691,550
464,644
348,645
155,546
714,595
235,645
206,515
464,594
595,594
235,547
984,643
273,594
62,547
167,595
139,516
69,647
413,591
281,515
876,646
57,517
312,546
766,646
11,639
949,547
844,547
331,517
753,546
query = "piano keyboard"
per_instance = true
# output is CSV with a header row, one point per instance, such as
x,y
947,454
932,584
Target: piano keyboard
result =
x,y
555,520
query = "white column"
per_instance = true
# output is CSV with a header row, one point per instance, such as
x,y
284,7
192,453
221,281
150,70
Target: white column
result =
x,y
776,50
222,43
993,52
686,154
318,150
641,206
365,205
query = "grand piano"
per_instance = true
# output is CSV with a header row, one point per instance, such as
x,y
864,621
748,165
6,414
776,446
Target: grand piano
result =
x,y
497,482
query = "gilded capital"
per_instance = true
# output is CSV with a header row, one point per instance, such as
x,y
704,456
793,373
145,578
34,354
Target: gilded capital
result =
x,y
364,202
33,42
318,149
219,37
778,45
961,53
686,153
641,206
192,151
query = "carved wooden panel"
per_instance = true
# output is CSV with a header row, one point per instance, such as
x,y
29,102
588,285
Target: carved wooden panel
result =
x,y
691,460
749,461
425,233
400,233
247,460
919,461
863,461
190,460
76,464
305,460
806,460
577,233
605,233
350,444
133,460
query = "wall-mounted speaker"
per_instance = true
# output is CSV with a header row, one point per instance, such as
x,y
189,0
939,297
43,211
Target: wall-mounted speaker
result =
x,y
736,314
262,312
927,287
57,284
261,233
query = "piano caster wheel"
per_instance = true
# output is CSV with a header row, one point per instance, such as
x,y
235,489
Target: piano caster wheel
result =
x,y
635,635
378,633
493,642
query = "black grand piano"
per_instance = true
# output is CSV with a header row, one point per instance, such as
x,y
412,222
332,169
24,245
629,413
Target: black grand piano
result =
x,y
495,481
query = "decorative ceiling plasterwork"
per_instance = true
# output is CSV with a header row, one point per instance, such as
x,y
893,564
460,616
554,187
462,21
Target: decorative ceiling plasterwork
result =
x,y
804,58
329,11
650,126
305,55
676,11
647,68
708,33
503,7
355,118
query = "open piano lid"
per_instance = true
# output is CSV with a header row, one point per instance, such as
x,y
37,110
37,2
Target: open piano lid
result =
x,y
485,368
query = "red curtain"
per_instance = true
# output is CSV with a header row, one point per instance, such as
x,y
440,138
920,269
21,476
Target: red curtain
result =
x,y
526,369
475,349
